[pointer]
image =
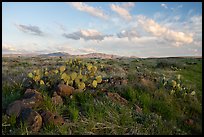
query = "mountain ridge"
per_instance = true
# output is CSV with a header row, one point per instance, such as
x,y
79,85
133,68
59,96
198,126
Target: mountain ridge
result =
x,y
88,55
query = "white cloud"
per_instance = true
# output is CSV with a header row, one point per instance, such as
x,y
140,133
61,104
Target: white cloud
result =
x,y
124,13
157,30
164,5
91,10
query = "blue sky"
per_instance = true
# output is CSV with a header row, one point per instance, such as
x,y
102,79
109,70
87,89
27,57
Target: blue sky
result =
x,y
140,29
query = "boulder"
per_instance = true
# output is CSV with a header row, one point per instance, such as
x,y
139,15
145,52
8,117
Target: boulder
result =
x,y
64,90
49,117
56,99
32,93
15,108
32,98
31,118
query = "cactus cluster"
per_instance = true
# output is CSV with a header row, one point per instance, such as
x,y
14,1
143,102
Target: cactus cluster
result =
x,y
74,73
176,86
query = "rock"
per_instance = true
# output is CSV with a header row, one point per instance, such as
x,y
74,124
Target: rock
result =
x,y
15,108
32,98
117,98
49,117
32,93
56,99
64,90
31,118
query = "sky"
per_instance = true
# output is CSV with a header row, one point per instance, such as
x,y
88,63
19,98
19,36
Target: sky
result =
x,y
141,29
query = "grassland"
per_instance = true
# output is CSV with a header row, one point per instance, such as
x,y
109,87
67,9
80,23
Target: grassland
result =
x,y
93,112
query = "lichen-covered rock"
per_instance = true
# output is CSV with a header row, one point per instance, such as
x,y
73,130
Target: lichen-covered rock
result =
x,y
15,108
31,118
32,98
64,90
56,99
49,117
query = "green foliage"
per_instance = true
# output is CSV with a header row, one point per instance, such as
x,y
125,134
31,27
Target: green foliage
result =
x,y
73,112
176,86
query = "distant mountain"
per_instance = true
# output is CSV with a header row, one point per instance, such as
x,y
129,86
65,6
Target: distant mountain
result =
x,y
56,54
98,55
90,55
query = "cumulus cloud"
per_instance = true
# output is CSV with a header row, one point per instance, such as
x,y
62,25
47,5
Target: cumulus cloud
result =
x,y
157,30
120,10
164,5
91,10
29,29
128,33
88,34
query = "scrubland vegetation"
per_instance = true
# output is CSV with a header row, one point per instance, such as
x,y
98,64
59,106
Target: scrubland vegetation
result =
x,y
104,96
